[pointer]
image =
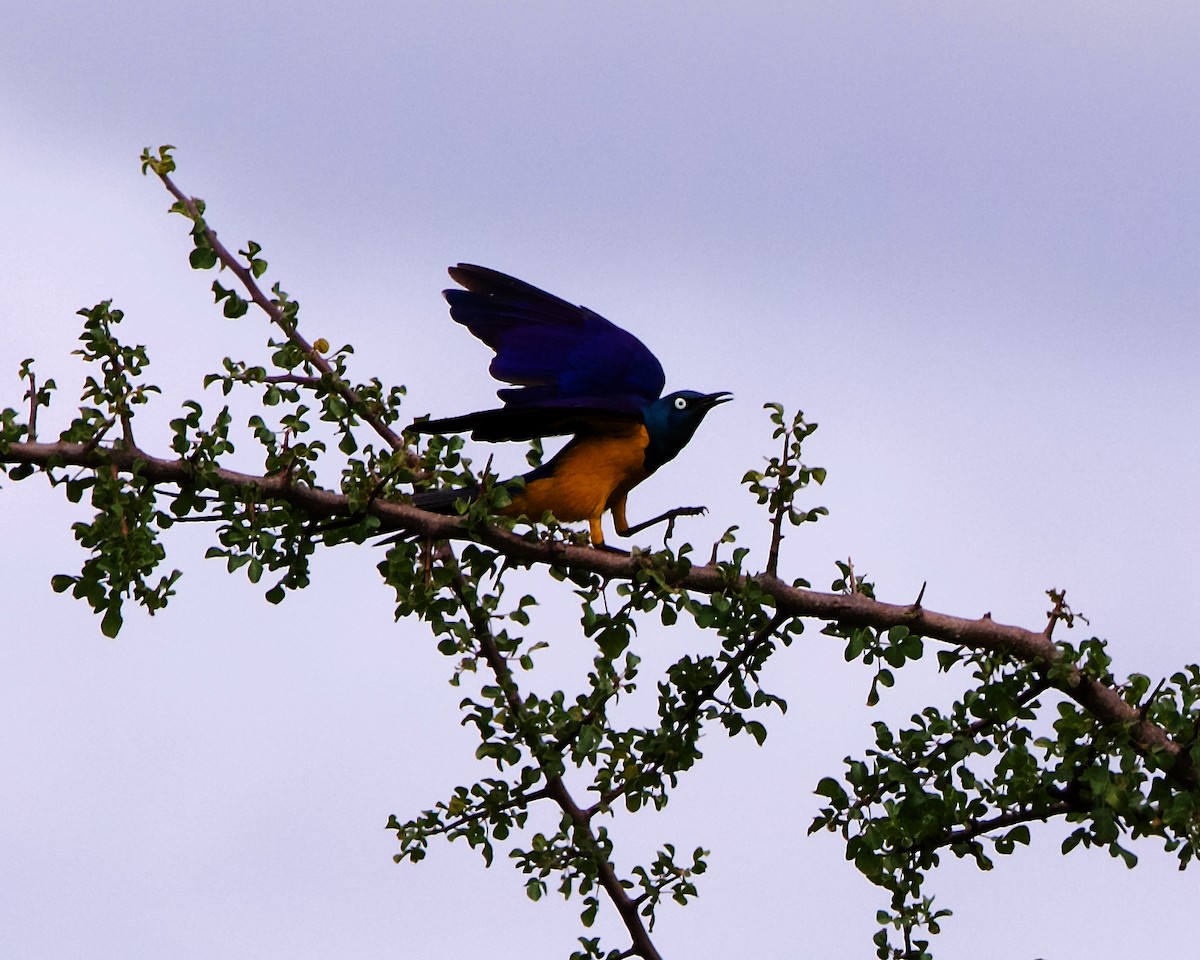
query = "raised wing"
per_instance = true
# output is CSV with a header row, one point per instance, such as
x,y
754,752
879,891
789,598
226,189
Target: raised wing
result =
x,y
571,369
551,349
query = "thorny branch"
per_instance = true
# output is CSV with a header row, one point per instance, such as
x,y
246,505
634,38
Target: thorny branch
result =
x,y
847,609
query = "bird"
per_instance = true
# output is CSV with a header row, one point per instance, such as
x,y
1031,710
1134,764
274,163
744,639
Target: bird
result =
x,y
572,373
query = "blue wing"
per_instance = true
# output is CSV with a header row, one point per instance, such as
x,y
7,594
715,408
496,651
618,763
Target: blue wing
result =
x,y
570,368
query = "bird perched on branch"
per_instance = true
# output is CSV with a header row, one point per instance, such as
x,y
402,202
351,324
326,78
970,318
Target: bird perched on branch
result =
x,y
573,373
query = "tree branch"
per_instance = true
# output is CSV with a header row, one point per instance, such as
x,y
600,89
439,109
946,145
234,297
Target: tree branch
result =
x,y
853,609
555,787
781,508
702,696
276,316
31,431
977,828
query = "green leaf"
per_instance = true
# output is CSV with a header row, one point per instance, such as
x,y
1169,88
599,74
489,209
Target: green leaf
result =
x,y
831,788
757,731
110,625
203,258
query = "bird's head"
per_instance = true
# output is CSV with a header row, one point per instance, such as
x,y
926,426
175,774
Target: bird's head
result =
x,y
671,421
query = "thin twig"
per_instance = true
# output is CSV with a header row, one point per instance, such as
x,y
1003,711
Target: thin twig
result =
x,y
780,510
1059,599
923,769
977,828
93,442
519,800
293,378
701,697
31,432
276,316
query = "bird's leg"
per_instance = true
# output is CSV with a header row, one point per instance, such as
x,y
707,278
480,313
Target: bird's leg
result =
x,y
625,531
596,534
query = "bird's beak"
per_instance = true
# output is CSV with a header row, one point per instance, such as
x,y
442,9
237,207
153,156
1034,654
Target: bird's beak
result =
x,y
710,400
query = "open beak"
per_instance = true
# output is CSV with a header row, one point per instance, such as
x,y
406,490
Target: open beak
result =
x,y
710,400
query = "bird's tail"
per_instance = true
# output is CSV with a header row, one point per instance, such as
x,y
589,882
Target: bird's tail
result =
x,y
435,501
443,501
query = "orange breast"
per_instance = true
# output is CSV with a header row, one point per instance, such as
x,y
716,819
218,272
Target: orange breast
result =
x,y
586,475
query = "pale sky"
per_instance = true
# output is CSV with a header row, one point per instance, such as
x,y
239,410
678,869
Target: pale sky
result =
x,y
962,239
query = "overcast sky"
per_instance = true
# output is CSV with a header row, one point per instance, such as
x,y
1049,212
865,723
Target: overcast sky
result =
x,y
962,237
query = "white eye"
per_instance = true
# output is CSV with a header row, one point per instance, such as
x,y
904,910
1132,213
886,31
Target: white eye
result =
x,y
680,403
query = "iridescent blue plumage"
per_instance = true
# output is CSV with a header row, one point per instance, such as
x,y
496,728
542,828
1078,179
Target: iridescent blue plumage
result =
x,y
567,363
572,372
553,350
